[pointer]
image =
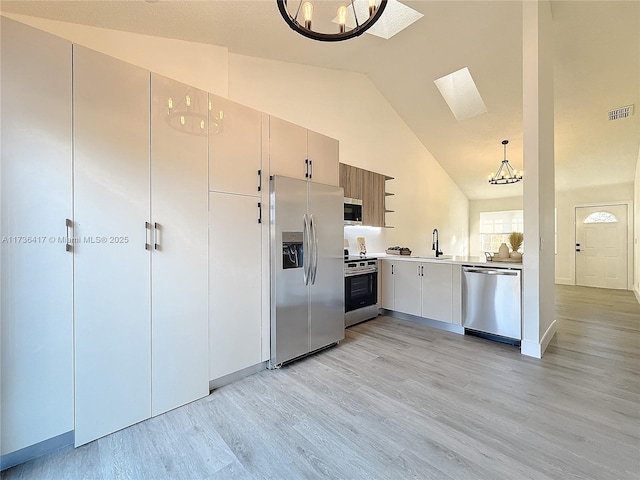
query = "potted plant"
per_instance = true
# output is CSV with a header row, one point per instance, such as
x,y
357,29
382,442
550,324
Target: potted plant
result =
x,y
515,240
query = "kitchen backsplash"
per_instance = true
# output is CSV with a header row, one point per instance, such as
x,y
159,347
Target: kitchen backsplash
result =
x,y
375,238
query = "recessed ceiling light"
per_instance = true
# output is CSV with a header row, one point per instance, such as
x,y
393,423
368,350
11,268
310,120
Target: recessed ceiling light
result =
x,y
461,94
396,17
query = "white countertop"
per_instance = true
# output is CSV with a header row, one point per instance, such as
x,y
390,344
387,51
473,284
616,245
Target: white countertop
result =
x,y
451,259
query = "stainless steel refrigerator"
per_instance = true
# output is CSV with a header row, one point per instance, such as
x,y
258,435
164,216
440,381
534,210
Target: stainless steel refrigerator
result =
x,y
307,267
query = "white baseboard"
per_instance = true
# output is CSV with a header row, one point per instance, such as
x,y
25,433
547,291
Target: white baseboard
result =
x,y
564,281
530,349
548,335
535,349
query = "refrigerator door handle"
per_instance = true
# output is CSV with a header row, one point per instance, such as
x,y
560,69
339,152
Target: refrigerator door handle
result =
x,y
306,253
314,248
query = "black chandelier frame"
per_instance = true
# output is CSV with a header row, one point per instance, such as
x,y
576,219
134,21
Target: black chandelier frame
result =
x,y
358,30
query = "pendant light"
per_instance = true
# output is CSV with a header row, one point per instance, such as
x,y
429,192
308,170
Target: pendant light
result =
x,y
505,174
299,16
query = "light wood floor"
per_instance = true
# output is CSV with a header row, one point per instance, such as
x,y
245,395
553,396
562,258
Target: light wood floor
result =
x,y
397,400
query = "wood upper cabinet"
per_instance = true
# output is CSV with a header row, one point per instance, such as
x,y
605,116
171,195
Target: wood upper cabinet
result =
x,y
351,180
366,186
235,147
373,199
299,153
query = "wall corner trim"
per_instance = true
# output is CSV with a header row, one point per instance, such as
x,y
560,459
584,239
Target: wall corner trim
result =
x,y
535,349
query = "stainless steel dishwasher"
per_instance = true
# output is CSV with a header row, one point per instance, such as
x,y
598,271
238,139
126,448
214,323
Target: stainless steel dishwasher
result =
x,y
492,301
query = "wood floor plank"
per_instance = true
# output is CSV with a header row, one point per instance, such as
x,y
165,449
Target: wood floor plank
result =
x,y
397,400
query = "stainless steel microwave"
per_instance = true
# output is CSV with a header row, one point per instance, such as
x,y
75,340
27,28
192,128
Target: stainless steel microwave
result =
x,y
352,211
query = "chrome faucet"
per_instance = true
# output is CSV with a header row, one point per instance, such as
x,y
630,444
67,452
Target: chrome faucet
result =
x,y
434,240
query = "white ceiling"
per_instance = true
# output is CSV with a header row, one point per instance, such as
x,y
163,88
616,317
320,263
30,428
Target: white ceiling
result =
x,y
597,68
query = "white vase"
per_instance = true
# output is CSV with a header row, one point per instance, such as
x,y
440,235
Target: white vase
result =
x,y
503,251
515,255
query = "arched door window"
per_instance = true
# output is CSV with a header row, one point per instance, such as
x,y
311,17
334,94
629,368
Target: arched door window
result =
x,y
601,217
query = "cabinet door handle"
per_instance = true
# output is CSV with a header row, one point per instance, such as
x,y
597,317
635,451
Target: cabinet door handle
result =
x,y
259,212
147,227
69,224
259,180
418,270
310,168
391,269
306,168
156,236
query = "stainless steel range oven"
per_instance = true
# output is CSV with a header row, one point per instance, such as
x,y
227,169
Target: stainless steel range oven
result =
x,y
360,290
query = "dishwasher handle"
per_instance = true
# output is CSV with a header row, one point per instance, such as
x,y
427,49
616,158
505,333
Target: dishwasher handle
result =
x,y
485,271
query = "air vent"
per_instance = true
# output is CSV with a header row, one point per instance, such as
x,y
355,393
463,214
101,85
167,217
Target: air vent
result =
x,y
622,112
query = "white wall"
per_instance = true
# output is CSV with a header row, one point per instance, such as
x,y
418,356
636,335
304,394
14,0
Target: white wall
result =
x,y
342,105
347,106
636,230
566,202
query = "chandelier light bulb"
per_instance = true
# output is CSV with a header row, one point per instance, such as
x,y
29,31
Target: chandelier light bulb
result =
x,y
307,12
182,120
372,7
342,18
170,103
187,100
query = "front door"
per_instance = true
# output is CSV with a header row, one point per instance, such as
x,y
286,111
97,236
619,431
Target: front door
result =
x,y
601,246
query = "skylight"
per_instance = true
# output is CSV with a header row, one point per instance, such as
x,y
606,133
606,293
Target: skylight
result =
x,y
396,17
461,94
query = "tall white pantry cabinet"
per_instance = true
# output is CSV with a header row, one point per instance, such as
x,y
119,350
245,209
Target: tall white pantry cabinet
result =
x,y
140,298
36,364
236,215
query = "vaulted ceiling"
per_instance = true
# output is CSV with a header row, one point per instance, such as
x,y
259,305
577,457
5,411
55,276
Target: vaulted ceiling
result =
x,y
597,68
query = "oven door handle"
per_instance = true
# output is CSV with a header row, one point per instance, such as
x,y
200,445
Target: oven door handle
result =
x,y
360,272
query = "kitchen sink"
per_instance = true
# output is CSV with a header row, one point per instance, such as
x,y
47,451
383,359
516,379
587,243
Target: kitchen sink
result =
x,y
441,257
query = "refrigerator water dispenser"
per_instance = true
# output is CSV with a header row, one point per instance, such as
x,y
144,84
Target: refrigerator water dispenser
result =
x,y
292,252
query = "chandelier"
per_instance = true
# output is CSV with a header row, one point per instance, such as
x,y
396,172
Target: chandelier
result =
x,y
299,16
505,174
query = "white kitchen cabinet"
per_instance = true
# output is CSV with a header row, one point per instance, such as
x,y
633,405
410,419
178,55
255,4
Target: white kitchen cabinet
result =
x,y
407,287
36,285
323,153
112,281
235,147
235,300
387,288
424,289
179,323
437,291
141,328
299,153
